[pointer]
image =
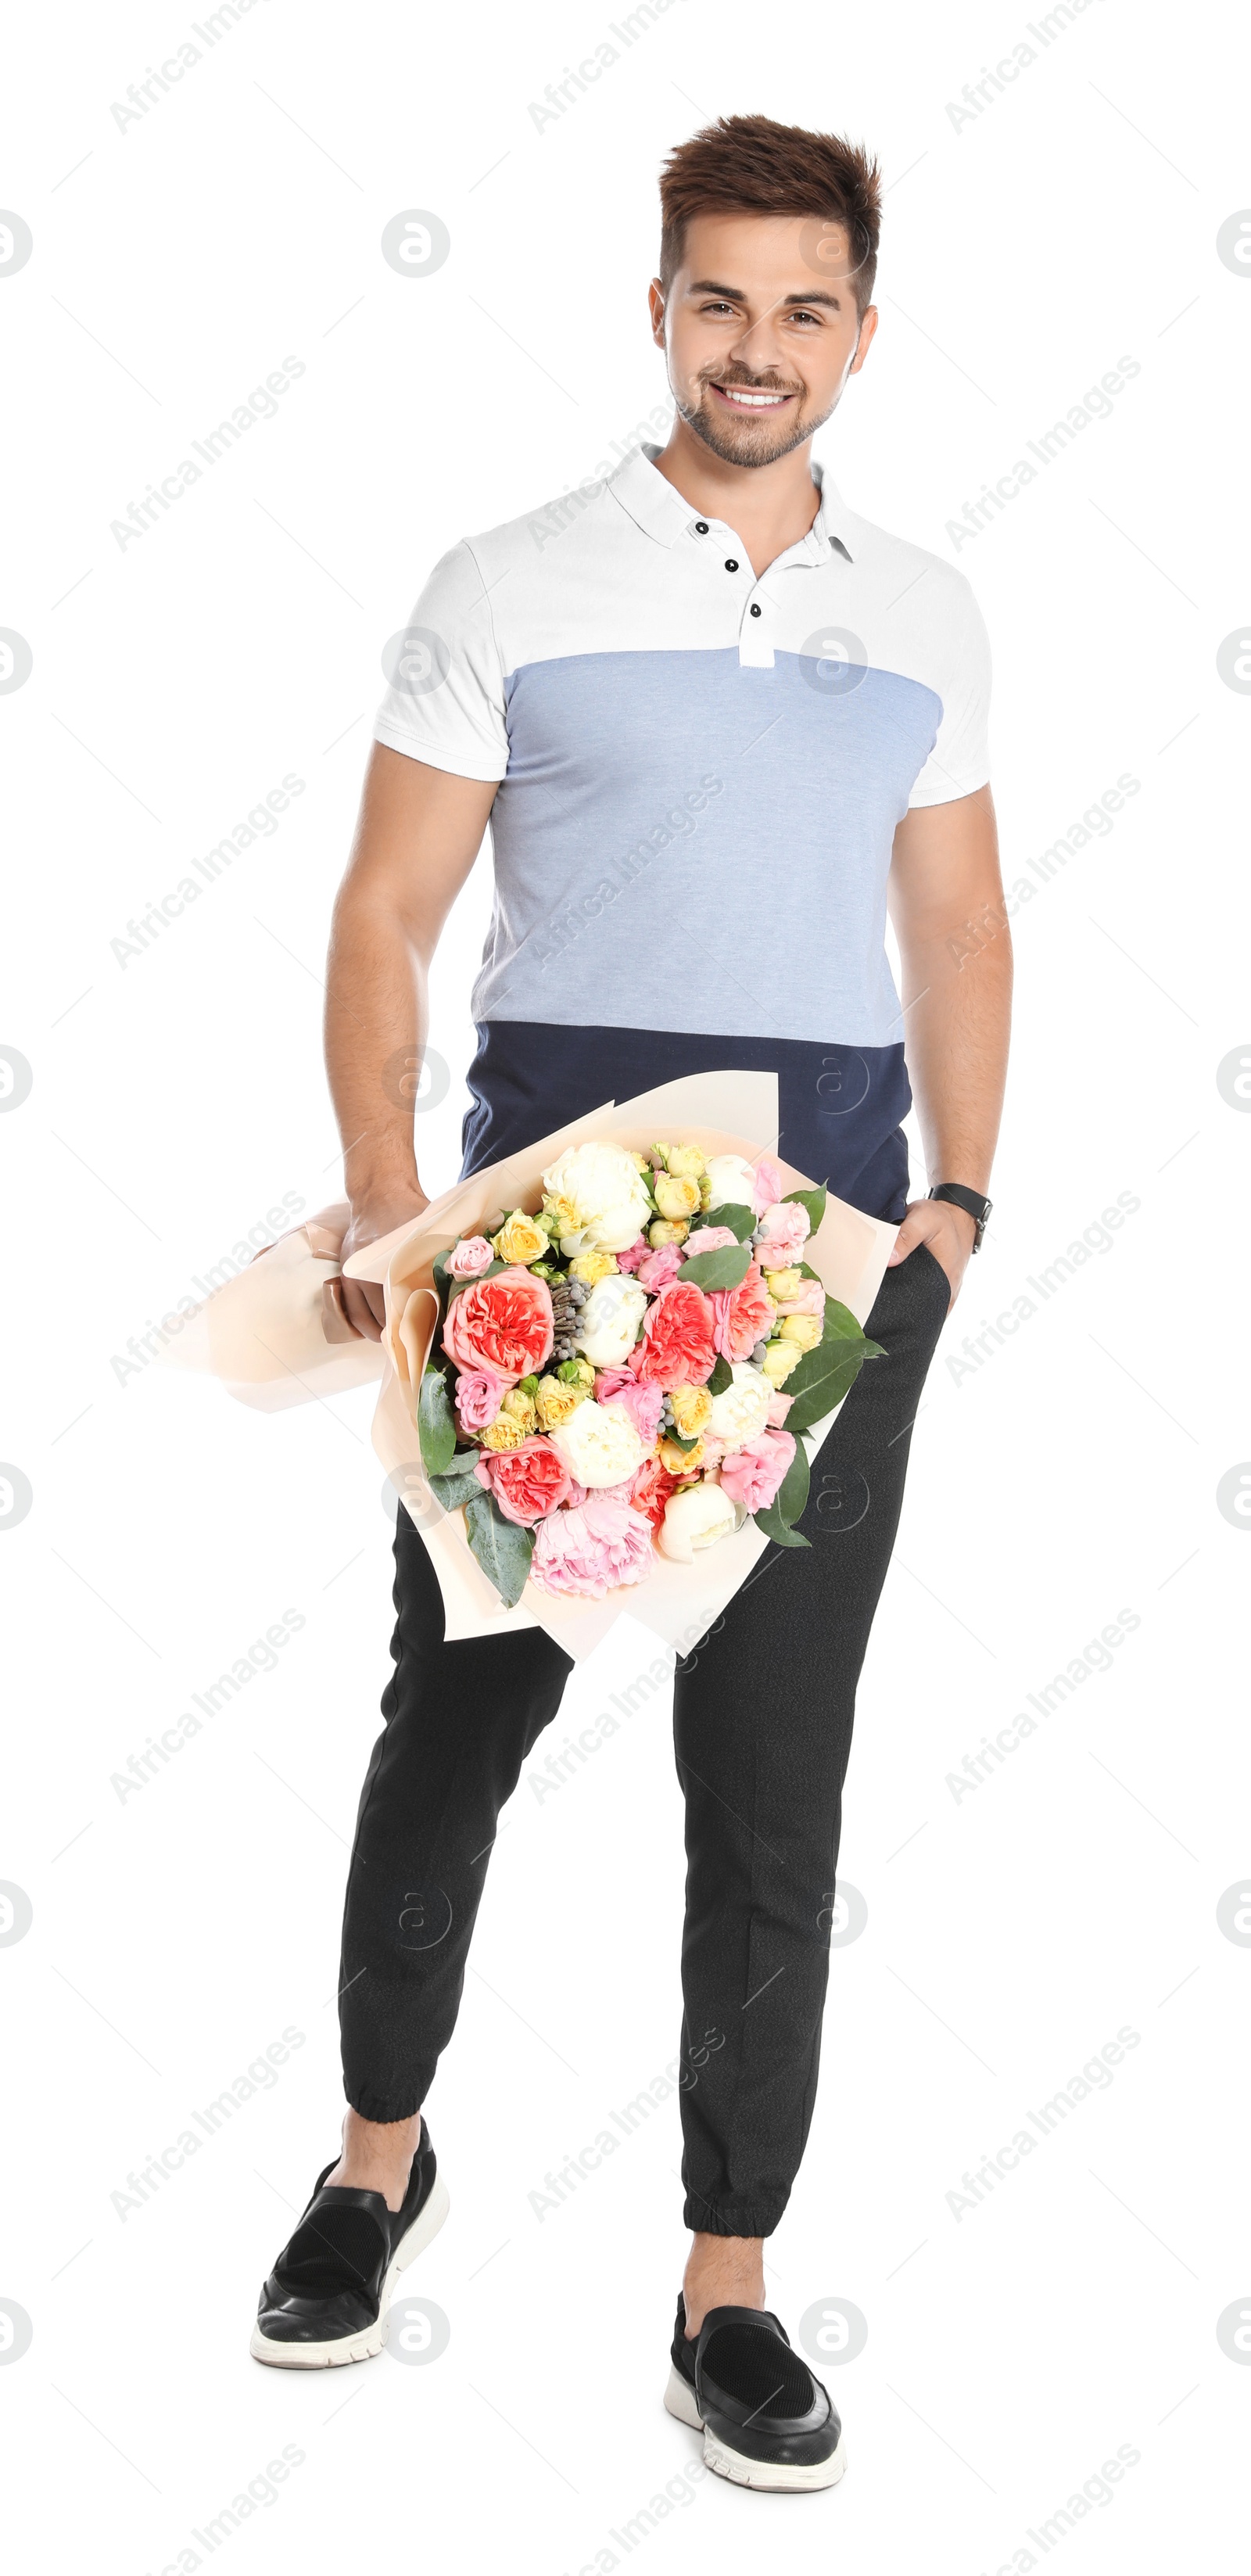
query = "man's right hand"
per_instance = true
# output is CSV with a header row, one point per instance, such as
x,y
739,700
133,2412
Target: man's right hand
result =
x,y
363,1301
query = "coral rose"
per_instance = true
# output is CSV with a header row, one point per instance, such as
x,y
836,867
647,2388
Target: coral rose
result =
x,y
651,1489
504,1324
528,1482
679,1348
744,1315
592,1548
752,1475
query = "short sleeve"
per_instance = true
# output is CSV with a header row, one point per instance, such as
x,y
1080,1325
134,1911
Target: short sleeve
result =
x,y
960,759
445,704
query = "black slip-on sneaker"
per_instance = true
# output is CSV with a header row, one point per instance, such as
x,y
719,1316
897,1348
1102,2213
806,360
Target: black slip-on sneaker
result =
x,y
326,2299
766,2421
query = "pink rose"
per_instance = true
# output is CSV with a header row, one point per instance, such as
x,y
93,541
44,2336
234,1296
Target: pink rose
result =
x,y
633,1254
779,1407
786,1230
527,1482
744,1315
637,1396
478,1395
708,1238
591,1549
751,1476
678,1347
503,1324
768,1184
809,1299
470,1258
658,1268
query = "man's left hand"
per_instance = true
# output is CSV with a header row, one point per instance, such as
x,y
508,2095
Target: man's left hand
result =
x,y
947,1231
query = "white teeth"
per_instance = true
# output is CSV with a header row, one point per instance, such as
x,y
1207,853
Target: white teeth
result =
x,y
735,393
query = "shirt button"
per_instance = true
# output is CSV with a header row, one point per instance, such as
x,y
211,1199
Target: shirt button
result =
x,y
755,611
701,527
731,564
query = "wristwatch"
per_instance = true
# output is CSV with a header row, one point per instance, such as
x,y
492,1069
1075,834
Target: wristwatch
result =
x,y
971,1201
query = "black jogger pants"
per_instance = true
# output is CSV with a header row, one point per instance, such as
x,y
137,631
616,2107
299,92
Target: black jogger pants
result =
x,y
763,1709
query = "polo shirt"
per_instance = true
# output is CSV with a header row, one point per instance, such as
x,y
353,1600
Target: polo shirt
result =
x,y
701,773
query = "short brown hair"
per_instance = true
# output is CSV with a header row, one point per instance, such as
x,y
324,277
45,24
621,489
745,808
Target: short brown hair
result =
x,y
749,165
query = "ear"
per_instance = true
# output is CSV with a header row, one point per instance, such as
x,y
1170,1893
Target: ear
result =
x,y
656,307
868,326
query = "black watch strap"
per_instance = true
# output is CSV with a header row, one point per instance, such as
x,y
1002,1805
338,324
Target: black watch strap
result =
x,y
971,1201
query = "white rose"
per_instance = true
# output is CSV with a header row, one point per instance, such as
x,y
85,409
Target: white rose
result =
x,y
696,1519
609,1321
606,1190
600,1444
732,1179
741,1410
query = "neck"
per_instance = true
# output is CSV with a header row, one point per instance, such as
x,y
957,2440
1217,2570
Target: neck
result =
x,y
770,507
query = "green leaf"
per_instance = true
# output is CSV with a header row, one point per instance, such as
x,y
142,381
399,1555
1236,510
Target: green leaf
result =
x,y
721,1269
805,1270
677,1440
502,1549
824,1376
840,1324
813,1200
457,1287
792,1493
528,1385
436,1423
780,1531
457,1487
722,1376
741,1221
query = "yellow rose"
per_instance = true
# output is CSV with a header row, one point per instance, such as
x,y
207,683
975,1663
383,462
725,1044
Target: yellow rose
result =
x,y
503,1433
642,1162
554,1402
681,1462
779,1359
661,1231
563,1215
675,1195
782,1285
663,1151
519,1407
592,1266
804,1329
688,1161
692,1407
520,1240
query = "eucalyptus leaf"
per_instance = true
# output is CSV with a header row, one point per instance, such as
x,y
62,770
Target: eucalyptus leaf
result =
x,y
503,1550
436,1423
812,1200
721,1269
458,1486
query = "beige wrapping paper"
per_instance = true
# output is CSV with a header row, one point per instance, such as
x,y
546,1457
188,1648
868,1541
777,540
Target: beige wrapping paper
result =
x,y
266,1333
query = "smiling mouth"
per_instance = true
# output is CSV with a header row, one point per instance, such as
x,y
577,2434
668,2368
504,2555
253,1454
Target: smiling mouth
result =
x,y
745,398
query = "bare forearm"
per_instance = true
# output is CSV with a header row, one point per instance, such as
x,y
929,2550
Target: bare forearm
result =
x,y
957,1016
376,1022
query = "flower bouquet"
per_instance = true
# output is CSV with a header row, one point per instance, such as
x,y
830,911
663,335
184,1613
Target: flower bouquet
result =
x,y
626,1369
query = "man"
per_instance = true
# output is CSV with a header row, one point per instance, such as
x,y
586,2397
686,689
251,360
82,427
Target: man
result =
x,y
717,721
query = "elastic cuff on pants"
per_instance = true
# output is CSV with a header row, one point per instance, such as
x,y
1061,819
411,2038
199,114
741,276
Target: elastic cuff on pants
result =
x,y
736,2218
374,2106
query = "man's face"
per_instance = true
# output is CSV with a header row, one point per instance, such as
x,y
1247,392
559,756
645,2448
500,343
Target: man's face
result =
x,y
763,306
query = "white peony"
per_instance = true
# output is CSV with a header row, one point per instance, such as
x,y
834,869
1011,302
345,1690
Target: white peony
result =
x,y
608,1325
742,1408
600,1444
732,1179
696,1519
608,1194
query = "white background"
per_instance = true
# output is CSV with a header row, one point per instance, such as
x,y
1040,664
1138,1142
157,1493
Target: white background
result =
x,y
1012,1931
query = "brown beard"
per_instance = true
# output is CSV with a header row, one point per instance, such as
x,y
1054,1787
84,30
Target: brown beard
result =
x,y
748,444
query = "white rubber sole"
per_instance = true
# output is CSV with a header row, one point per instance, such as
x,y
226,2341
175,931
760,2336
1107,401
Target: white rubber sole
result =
x,y
363,2346
780,2478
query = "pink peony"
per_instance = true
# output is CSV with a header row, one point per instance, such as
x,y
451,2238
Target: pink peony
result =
x,y
503,1324
592,1548
779,1407
744,1315
478,1395
809,1299
658,1268
678,1347
768,1184
527,1482
637,1396
751,1476
708,1238
633,1254
786,1230
470,1258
